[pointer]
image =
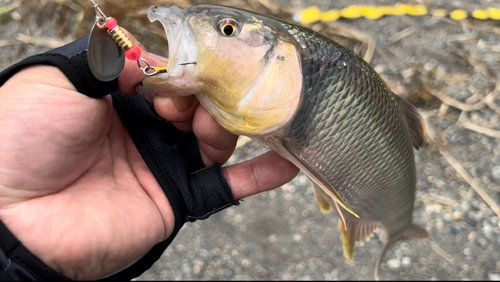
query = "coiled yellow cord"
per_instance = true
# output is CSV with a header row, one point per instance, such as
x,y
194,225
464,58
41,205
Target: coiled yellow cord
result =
x,y
314,14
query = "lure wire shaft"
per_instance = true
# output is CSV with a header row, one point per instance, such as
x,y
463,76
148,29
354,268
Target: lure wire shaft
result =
x,y
132,52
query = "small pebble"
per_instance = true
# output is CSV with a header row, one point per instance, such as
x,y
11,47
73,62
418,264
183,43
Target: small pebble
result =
x,y
439,225
495,173
439,43
431,178
245,262
440,183
487,229
430,65
472,236
238,217
482,242
464,206
186,268
494,277
393,263
457,215
441,71
406,261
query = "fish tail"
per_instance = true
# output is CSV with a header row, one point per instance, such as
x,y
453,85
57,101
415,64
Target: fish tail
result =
x,y
414,232
354,230
387,246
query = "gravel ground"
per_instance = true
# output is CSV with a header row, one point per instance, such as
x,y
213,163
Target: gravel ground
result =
x,y
282,234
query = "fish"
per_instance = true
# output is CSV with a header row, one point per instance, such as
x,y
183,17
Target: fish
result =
x,y
311,100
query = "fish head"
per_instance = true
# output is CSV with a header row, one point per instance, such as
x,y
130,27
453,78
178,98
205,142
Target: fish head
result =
x,y
243,67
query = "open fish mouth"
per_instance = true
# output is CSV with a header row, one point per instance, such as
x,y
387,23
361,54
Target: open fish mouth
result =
x,y
182,56
181,43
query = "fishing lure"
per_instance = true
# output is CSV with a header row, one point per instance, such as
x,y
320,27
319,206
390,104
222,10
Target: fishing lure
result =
x,y
109,46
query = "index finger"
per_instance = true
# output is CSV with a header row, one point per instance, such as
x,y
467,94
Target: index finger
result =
x,y
260,174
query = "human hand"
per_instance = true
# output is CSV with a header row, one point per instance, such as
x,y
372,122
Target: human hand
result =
x,y
74,188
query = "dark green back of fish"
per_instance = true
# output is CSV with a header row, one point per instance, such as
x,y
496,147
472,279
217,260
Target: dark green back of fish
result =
x,y
352,129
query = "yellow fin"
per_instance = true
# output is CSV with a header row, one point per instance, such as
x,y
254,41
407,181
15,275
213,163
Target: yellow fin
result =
x,y
319,180
322,202
347,242
354,230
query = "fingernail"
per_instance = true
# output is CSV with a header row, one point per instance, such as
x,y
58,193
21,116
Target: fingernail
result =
x,y
182,103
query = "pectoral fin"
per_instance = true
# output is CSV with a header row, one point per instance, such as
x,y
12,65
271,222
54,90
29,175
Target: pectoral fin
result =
x,y
311,173
325,205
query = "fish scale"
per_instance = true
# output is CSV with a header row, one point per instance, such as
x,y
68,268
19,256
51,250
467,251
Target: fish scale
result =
x,y
348,160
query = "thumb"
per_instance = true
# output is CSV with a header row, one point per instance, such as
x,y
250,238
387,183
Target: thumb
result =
x,y
132,74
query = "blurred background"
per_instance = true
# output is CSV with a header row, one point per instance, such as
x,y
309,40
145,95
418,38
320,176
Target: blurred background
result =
x,y
449,69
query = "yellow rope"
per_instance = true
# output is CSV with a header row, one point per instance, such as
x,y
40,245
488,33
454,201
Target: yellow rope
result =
x,y
314,14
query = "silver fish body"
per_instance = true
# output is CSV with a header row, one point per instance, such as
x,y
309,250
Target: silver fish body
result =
x,y
309,99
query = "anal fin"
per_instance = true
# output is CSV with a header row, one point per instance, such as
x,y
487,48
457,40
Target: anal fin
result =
x,y
347,242
355,230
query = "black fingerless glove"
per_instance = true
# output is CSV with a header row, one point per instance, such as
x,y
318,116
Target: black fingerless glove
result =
x,y
193,190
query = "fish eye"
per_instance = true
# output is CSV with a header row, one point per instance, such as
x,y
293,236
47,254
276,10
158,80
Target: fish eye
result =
x,y
228,27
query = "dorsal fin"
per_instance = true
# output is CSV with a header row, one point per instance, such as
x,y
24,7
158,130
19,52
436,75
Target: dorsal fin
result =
x,y
415,123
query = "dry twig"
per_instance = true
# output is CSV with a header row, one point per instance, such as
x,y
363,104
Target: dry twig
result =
x,y
353,33
441,252
400,35
454,103
465,176
471,181
438,199
467,58
481,129
11,6
490,99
